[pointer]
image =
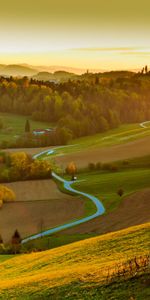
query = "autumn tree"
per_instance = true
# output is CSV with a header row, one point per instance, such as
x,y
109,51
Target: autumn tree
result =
x,y
71,170
6,195
20,165
40,169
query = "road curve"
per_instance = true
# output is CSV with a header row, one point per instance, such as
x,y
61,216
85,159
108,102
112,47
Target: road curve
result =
x,y
67,185
143,124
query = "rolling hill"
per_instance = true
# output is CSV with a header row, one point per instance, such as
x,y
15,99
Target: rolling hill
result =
x,y
56,76
17,70
80,270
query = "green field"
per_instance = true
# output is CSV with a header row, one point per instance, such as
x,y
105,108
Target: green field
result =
x,y
122,134
105,185
14,126
80,270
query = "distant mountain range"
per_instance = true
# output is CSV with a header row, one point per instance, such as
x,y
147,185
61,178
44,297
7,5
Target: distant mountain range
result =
x,y
29,70
46,73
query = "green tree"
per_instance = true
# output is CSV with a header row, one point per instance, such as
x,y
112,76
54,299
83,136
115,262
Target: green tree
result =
x,y
27,126
16,242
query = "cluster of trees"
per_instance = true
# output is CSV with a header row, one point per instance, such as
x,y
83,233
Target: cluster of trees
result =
x,y
21,166
80,107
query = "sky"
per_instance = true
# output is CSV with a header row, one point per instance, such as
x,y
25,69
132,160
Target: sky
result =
x,y
93,34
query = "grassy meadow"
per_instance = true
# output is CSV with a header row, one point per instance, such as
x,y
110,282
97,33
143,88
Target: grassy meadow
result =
x,y
130,175
80,270
122,134
14,126
105,185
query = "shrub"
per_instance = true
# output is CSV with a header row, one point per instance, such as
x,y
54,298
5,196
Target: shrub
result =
x,y
120,192
125,162
98,166
16,242
6,194
91,166
40,169
114,168
106,166
1,240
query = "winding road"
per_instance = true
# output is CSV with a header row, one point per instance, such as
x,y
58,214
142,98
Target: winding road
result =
x,y
143,124
67,185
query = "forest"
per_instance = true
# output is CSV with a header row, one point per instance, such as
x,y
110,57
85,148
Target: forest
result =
x,y
91,104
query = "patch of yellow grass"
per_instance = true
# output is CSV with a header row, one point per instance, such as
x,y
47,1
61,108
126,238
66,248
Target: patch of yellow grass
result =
x,y
84,261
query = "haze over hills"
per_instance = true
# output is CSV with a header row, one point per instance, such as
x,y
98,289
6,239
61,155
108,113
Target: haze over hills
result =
x,y
29,70
17,70
44,72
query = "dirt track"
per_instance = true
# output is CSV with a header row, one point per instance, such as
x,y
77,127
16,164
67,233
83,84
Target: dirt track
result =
x,y
133,210
29,216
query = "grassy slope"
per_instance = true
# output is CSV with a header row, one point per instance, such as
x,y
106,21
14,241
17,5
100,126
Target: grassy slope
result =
x,y
122,134
17,123
133,177
76,271
106,185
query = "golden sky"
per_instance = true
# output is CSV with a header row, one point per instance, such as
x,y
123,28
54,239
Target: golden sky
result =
x,y
103,34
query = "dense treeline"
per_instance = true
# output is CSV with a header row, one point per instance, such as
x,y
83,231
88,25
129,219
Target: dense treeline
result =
x,y
88,106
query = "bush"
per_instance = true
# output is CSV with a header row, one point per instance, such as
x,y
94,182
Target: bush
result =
x,y
1,124
120,192
40,169
114,168
91,166
106,166
125,162
110,167
6,194
16,242
98,166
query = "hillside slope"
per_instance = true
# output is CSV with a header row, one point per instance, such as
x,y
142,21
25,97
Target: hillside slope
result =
x,y
76,271
133,210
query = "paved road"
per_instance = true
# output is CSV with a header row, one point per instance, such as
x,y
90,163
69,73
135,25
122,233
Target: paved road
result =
x,y
67,185
143,125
